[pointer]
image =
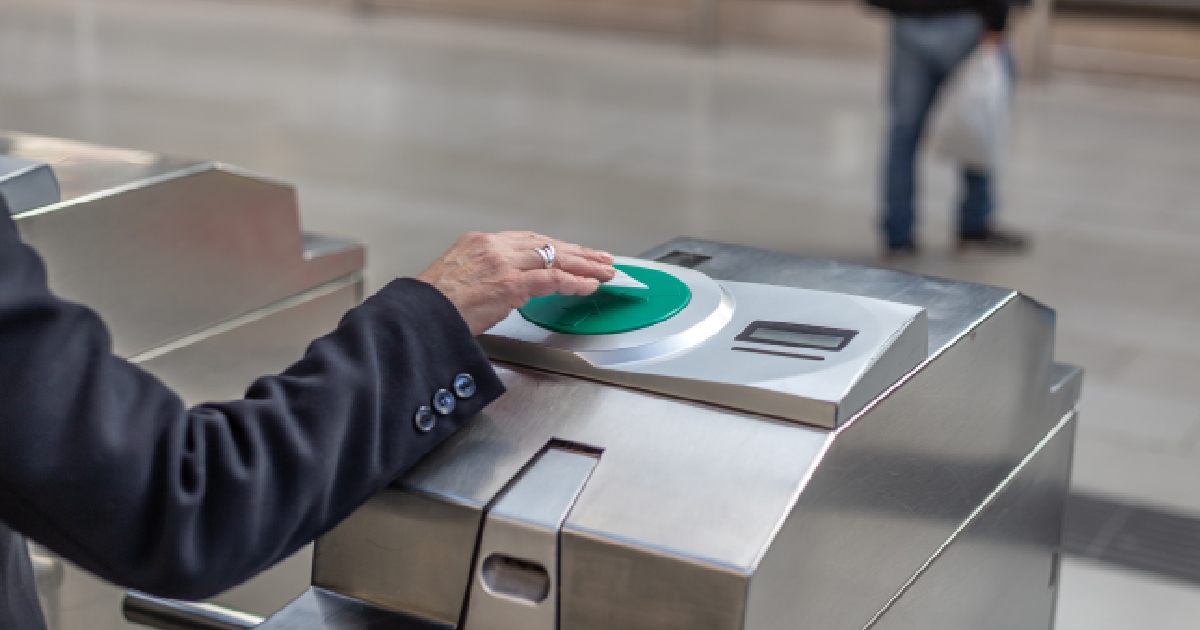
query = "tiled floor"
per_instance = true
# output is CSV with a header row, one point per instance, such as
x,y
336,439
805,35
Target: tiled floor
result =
x,y
1096,597
404,131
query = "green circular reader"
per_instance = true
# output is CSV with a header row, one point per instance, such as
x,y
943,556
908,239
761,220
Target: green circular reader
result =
x,y
612,310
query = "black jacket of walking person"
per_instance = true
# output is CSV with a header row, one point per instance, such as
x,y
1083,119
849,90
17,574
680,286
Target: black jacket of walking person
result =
x,y
994,12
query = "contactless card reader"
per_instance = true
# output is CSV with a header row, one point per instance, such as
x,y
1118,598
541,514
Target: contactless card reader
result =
x,y
810,356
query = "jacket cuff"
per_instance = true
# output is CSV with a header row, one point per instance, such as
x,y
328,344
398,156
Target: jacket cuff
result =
x,y
450,350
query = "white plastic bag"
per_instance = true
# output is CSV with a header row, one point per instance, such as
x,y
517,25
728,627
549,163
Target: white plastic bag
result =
x,y
973,125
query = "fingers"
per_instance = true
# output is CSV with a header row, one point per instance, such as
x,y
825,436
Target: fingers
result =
x,y
585,268
569,257
544,282
533,240
580,251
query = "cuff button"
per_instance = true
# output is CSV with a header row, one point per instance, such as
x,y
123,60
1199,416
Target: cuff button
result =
x,y
464,386
444,402
424,420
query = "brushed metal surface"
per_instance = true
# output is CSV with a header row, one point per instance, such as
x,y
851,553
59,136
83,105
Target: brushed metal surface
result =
x,y
909,468
173,255
666,464
520,538
953,306
1065,389
168,614
319,609
83,168
405,550
1001,572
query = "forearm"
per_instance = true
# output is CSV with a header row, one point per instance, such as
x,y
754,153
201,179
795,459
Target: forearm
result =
x,y
102,463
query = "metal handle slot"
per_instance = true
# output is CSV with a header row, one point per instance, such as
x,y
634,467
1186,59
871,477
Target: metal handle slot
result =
x,y
518,579
516,573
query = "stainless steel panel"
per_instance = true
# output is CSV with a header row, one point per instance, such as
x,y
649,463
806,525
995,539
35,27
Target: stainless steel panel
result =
x,y
404,550
319,609
666,464
953,306
515,584
1065,389
1001,571
82,168
909,468
222,366
609,583
175,255
166,614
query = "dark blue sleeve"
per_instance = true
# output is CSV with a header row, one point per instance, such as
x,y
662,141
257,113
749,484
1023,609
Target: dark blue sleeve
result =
x,y
103,464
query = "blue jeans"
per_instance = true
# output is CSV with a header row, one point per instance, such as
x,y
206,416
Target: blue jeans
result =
x,y
925,52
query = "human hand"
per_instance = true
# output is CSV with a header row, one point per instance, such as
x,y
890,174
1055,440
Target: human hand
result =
x,y
486,276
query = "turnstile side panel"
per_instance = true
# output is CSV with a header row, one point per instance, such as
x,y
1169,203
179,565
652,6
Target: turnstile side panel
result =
x,y
1001,573
607,584
405,551
699,481
82,168
223,366
691,488
515,581
177,255
900,477
319,609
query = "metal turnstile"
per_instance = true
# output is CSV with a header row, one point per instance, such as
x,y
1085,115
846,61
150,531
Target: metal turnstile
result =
x,y
758,441
204,278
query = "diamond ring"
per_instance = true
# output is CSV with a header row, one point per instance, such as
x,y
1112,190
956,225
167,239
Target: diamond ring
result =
x,y
548,254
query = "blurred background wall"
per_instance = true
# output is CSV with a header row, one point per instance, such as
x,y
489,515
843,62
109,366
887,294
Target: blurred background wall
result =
x,y
1147,37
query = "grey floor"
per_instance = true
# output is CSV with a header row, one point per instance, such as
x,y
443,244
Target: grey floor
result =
x,y
405,130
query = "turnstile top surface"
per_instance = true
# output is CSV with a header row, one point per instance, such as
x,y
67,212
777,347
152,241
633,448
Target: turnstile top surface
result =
x,y
808,356
165,248
83,168
953,307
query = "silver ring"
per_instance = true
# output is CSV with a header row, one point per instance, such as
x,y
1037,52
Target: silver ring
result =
x,y
549,256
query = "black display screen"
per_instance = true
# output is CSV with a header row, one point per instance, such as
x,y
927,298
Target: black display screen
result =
x,y
797,335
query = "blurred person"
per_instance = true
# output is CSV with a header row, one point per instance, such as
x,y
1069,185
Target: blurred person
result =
x,y
104,465
929,40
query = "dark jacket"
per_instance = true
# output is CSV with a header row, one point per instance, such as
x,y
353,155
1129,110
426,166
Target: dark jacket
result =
x,y
994,12
104,465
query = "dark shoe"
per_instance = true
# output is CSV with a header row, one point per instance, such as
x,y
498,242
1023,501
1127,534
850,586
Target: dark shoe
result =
x,y
901,252
995,240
